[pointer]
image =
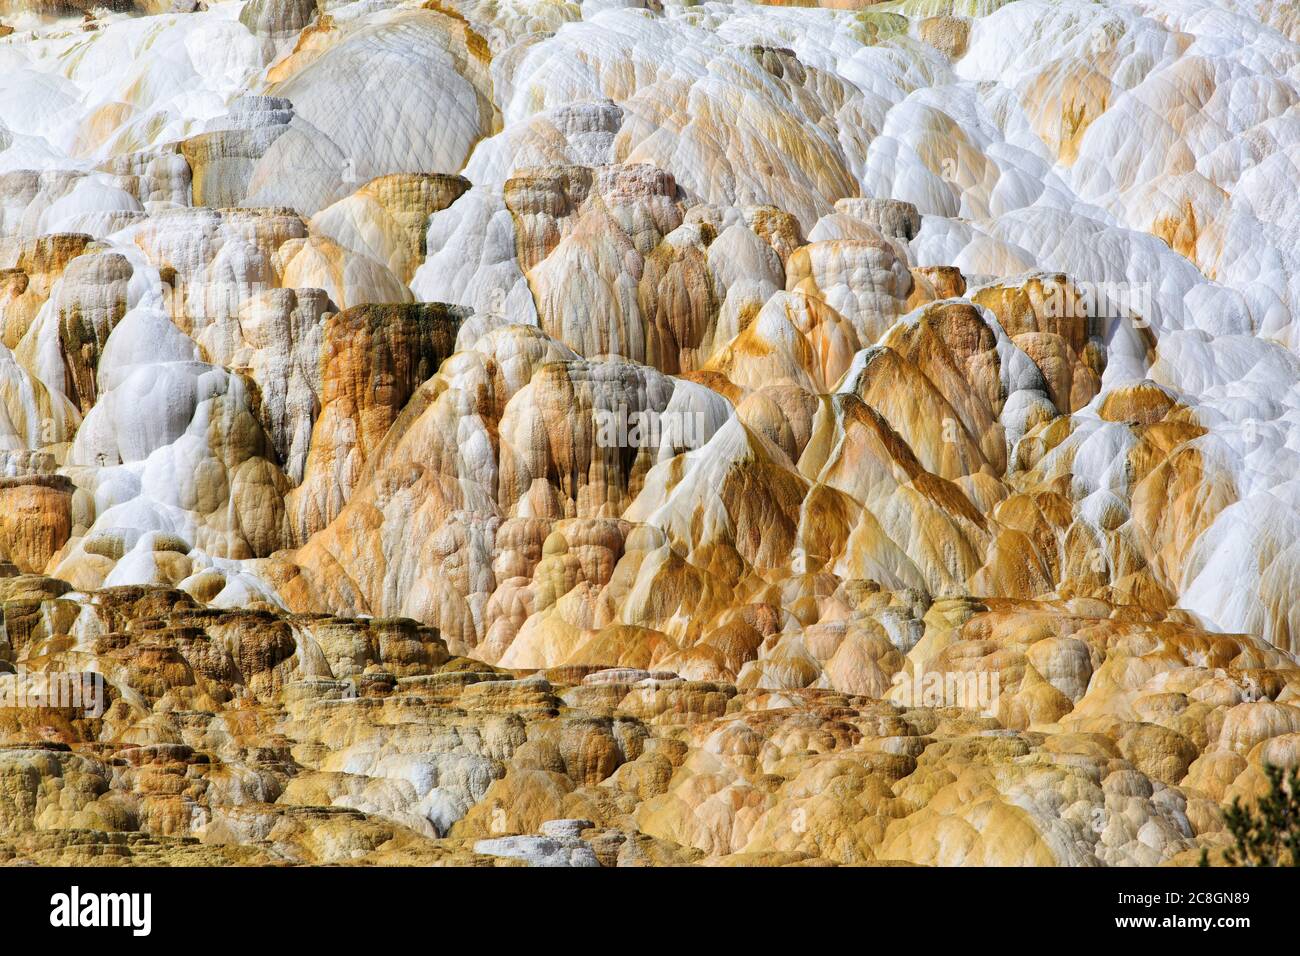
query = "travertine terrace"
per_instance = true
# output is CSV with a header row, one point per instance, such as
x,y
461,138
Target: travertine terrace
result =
x,y
628,432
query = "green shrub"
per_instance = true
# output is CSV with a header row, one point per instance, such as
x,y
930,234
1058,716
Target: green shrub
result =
x,y
1267,834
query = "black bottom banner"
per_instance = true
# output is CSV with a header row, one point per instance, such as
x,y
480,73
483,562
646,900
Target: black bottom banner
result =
x,y
344,907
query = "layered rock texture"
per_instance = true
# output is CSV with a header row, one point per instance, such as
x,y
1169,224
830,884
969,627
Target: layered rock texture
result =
x,y
619,434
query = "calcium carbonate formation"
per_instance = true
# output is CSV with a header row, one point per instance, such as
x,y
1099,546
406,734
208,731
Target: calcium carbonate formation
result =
x,y
598,433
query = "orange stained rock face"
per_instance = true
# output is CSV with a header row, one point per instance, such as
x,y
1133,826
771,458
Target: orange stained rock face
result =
x,y
1140,722
37,520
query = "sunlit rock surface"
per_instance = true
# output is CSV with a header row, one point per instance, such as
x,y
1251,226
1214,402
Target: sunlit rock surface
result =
x,y
618,433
